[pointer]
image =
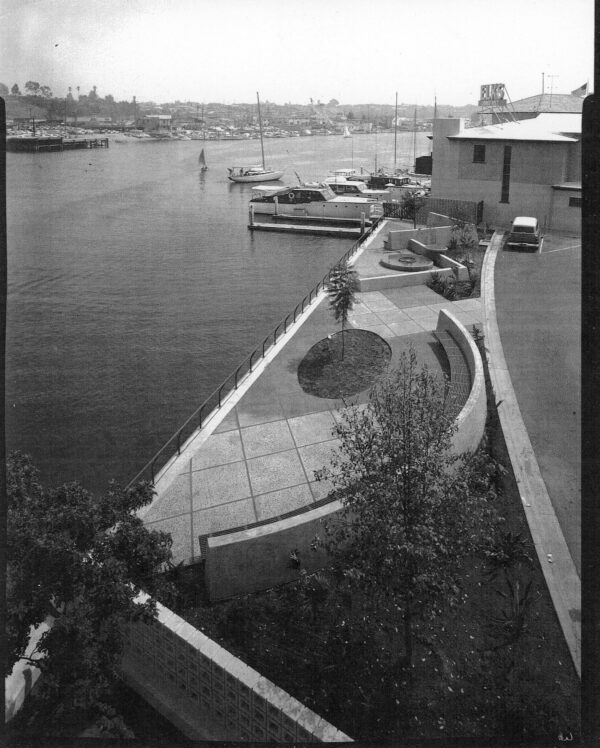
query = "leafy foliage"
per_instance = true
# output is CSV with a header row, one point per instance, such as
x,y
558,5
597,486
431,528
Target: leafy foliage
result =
x,y
409,514
77,561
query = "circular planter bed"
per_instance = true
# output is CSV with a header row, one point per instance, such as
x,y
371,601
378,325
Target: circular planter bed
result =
x,y
324,373
407,262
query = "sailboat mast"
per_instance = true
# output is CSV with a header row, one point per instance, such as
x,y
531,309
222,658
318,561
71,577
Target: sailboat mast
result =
x,y
395,130
415,141
262,148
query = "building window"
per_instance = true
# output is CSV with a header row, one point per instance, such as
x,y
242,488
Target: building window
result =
x,y
574,202
479,154
506,174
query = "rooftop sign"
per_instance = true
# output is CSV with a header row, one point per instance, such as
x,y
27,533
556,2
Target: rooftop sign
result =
x,y
492,94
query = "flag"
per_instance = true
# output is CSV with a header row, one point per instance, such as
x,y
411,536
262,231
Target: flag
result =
x,y
581,91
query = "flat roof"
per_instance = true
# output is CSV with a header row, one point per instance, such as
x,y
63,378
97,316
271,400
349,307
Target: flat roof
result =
x,y
558,128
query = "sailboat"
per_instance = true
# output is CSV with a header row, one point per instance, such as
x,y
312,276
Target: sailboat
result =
x,y
255,173
202,161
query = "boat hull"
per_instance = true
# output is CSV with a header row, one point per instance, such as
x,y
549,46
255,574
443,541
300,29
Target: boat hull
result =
x,y
324,211
267,176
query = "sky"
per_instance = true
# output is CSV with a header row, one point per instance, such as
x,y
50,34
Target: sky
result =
x,y
355,51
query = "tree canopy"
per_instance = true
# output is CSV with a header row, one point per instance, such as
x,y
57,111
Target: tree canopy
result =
x,y
411,509
77,561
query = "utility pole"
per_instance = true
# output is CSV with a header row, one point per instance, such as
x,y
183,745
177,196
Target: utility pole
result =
x,y
395,130
552,77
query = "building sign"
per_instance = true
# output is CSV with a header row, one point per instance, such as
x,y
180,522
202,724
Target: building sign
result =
x,y
492,94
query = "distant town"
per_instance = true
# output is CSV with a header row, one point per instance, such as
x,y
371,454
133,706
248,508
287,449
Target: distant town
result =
x,y
213,119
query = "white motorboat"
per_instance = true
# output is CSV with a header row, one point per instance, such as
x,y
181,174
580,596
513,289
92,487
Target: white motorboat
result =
x,y
255,173
315,202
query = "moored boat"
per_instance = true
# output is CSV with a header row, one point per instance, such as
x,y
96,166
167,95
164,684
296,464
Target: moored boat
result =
x,y
255,173
317,202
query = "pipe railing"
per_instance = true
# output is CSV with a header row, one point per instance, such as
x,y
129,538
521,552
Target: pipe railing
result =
x,y
172,447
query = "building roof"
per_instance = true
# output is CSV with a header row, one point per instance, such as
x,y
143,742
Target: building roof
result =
x,y
559,128
545,102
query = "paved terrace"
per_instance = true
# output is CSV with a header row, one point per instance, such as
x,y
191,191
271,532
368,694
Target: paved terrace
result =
x,y
255,458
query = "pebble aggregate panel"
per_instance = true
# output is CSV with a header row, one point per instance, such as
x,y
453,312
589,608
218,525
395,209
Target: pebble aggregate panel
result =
x,y
219,485
275,471
219,449
285,500
266,438
314,427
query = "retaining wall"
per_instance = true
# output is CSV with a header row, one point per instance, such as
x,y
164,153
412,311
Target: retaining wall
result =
x,y
471,419
200,682
441,260
439,235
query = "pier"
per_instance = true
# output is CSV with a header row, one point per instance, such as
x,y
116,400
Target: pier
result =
x,y
45,145
312,225
353,232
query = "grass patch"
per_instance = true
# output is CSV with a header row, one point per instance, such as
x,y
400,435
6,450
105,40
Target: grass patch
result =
x,y
328,372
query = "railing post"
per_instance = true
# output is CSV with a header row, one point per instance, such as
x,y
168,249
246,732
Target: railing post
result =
x,y
252,354
178,443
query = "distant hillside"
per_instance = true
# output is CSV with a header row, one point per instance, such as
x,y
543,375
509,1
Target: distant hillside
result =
x,y
20,107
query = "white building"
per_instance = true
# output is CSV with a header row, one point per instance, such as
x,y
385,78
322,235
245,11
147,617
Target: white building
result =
x,y
529,167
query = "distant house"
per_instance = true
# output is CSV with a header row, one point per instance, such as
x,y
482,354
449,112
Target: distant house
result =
x,y
528,167
157,124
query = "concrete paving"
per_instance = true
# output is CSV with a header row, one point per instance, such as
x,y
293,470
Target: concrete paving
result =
x,y
257,457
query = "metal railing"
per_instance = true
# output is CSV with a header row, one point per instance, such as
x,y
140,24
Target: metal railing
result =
x,y
215,400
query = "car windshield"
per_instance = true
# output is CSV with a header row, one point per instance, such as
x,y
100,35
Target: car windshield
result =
x,y
523,229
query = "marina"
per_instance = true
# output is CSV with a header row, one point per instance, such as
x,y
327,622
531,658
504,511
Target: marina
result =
x,y
101,368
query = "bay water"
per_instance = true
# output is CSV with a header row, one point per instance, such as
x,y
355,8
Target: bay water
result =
x,y
135,288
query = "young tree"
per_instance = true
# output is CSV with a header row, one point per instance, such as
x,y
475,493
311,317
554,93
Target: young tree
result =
x,y
342,288
15,91
410,205
79,560
410,512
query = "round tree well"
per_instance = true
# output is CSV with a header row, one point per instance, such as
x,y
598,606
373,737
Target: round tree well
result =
x,y
333,370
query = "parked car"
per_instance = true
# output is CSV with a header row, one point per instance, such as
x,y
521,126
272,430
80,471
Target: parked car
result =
x,y
525,234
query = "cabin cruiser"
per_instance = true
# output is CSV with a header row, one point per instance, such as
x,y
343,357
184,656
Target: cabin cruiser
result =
x,y
316,201
342,186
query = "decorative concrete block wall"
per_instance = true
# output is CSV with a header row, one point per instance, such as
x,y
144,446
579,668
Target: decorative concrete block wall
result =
x,y
206,680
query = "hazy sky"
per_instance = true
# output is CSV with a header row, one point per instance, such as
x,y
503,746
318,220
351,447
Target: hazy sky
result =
x,y
356,51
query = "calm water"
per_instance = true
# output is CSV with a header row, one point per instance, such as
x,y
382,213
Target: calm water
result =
x,y
135,288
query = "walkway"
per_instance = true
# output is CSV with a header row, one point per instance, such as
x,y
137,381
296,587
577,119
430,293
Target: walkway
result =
x,y
256,458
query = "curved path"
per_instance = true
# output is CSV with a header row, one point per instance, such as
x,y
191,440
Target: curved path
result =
x,y
553,552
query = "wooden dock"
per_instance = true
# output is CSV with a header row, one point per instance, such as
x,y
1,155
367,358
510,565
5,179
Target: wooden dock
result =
x,y
311,229
47,145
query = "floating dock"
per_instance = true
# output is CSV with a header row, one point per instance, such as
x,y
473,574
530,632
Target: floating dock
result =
x,y
310,229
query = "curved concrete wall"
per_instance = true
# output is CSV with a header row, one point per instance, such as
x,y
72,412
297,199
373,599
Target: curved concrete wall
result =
x,y
257,558
471,419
